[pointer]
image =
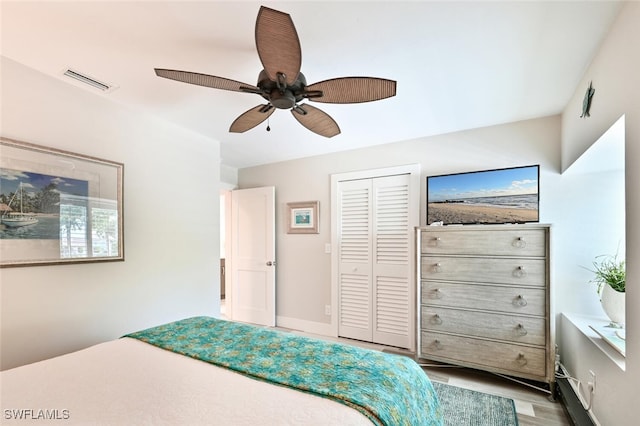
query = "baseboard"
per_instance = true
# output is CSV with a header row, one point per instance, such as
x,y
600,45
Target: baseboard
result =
x,y
311,327
575,411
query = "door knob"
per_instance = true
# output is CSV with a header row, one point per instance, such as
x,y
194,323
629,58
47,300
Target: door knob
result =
x,y
270,263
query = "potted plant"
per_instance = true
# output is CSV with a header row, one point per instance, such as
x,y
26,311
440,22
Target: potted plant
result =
x,y
610,277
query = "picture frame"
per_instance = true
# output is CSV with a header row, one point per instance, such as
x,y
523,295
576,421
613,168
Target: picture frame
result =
x,y
58,207
303,217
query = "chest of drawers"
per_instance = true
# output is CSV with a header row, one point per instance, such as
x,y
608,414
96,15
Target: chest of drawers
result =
x,y
484,298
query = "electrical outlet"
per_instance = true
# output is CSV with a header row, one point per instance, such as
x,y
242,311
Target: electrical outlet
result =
x,y
592,382
327,309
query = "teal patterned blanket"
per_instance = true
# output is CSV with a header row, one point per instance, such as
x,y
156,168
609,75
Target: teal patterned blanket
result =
x,y
389,389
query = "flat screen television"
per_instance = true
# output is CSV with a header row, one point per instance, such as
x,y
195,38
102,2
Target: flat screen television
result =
x,y
497,196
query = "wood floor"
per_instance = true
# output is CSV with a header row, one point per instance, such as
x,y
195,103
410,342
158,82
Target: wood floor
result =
x,y
532,406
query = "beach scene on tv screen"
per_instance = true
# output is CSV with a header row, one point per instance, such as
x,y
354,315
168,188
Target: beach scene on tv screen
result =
x,y
493,196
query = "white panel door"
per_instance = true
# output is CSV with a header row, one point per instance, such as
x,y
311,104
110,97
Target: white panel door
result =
x,y
354,257
253,289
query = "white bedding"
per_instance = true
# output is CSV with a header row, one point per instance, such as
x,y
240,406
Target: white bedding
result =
x,y
126,382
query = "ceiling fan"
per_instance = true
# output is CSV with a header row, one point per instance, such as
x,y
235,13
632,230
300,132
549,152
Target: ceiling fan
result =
x,y
282,84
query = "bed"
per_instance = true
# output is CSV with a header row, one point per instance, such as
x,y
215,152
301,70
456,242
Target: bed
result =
x,y
204,370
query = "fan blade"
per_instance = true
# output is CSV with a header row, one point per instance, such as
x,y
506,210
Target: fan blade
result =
x,y
351,90
278,45
250,119
316,120
207,80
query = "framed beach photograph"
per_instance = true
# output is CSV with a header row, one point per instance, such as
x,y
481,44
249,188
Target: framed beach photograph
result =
x,y
303,217
58,207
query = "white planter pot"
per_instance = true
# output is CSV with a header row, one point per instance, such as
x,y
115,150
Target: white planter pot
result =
x,y
613,304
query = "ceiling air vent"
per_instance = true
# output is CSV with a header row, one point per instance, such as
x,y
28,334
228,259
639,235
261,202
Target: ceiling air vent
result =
x,y
83,78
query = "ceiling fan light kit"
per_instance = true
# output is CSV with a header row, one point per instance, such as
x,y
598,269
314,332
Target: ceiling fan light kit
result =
x,y
282,84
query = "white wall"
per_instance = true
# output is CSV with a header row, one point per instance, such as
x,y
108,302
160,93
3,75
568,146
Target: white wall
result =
x,y
614,73
304,269
171,181
228,177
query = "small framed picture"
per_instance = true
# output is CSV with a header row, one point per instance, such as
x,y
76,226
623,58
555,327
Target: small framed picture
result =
x,y
303,217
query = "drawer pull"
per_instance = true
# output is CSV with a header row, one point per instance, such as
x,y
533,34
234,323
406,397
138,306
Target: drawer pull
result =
x,y
435,319
521,331
521,360
437,294
437,344
519,272
436,267
519,243
520,301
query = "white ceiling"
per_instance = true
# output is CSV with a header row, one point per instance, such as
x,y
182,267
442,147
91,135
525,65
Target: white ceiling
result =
x,y
459,65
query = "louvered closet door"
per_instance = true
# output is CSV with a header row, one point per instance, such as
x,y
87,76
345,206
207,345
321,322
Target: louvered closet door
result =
x,y
392,234
355,257
375,292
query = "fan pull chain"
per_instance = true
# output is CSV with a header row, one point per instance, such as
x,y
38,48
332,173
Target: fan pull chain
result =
x,y
268,127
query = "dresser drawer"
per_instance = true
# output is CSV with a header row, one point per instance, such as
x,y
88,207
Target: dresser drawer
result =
x,y
515,300
512,328
511,358
524,272
516,242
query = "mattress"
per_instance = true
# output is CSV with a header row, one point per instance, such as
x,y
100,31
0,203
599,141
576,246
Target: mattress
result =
x,y
129,381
